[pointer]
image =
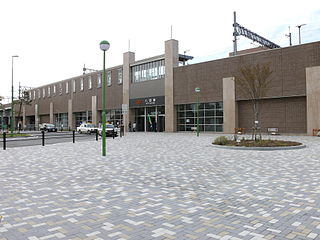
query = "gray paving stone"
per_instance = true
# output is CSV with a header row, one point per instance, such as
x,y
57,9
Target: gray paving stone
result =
x,y
154,184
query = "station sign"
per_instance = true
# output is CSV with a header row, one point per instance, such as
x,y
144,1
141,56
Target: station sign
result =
x,y
148,101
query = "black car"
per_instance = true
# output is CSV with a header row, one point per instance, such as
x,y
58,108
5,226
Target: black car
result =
x,y
48,127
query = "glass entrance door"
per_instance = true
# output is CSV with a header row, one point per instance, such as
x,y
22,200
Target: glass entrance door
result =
x,y
150,119
140,119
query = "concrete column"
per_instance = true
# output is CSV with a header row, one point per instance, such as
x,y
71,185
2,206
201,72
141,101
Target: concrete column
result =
x,y
70,120
128,58
313,98
171,61
36,117
94,110
51,112
229,105
23,117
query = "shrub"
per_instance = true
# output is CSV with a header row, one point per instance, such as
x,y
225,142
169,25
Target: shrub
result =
x,y
222,140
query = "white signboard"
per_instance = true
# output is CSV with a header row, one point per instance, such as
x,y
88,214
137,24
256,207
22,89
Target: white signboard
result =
x,y
125,108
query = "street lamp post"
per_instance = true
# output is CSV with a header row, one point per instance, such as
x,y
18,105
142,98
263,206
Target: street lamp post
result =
x,y
12,105
104,46
197,90
299,26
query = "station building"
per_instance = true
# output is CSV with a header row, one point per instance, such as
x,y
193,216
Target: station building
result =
x,y
158,94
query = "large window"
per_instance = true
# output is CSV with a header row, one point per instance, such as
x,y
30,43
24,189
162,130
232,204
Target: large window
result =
x,y
74,85
54,89
148,71
67,87
210,117
81,84
109,78
49,91
60,88
99,80
120,76
114,116
43,92
83,117
89,82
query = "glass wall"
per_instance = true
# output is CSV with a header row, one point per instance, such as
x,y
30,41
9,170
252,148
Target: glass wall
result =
x,y
210,117
61,120
82,117
114,116
148,71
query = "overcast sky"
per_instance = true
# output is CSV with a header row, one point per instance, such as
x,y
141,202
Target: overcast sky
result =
x,y
55,38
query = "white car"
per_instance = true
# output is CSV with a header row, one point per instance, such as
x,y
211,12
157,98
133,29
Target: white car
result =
x,y
110,128
87,128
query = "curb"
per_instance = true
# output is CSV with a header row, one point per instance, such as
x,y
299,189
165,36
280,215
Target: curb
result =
x,y
261,148
22,138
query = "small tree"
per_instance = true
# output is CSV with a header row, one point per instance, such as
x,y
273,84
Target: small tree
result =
x,y
254,82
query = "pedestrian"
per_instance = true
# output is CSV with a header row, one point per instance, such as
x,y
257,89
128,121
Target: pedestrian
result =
x,y
130,129
134,126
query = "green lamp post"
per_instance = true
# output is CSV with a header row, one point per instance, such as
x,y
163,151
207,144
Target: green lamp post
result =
x,y
197,90
12,105
104,46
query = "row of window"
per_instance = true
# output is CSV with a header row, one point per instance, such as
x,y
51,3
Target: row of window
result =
x,y
148,71
57,88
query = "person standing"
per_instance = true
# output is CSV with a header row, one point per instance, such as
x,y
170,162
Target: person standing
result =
x,y
134,126
130,127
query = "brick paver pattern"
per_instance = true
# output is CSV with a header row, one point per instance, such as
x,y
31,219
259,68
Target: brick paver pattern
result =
x,y
159,186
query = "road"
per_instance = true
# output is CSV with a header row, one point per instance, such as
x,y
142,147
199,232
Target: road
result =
x,y
50,138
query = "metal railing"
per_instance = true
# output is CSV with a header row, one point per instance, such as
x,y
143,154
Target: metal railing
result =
x,y
43,138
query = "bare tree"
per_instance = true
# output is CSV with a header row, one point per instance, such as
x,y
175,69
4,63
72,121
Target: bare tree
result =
x,y
23,100
254,82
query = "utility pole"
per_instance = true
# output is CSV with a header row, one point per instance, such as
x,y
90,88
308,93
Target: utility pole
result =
x,y
235,34
19,90
289,36
184,54
299,26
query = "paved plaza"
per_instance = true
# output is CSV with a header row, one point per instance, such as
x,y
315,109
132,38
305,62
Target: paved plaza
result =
x,y
159,186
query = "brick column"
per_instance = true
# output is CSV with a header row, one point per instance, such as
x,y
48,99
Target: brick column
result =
x,y
171,61
70,113
36,117
313,98
94,110
128,58
51,112
229,105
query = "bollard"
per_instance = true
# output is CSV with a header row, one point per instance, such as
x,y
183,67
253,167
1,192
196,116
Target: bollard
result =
x,y
73,136
4,141
113,133
97,135
121,131
42,137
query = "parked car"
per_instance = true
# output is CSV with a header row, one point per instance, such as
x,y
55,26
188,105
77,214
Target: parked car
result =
x,y
87,128
49,127
110,128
